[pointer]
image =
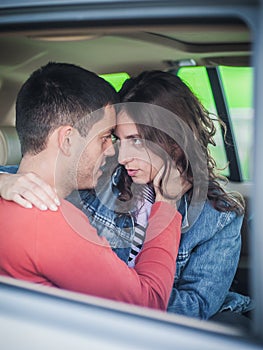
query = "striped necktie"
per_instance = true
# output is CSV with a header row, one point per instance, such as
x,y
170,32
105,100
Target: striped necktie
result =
x,y
141,222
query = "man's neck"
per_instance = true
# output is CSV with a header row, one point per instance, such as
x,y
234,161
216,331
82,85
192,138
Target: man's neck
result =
x,y
47,169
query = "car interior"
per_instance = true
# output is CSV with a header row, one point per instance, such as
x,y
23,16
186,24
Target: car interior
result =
x,y
118,49
131,51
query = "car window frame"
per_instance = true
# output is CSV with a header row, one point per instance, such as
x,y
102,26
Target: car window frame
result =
x,y
222,109
252,13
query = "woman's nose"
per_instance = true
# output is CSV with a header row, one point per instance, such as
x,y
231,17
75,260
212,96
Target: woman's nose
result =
x,y
124,156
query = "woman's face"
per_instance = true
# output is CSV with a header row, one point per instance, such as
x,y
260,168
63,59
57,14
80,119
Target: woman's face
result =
x,y
140,162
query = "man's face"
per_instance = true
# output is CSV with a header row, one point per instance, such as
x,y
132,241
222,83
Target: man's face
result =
x,y
95,148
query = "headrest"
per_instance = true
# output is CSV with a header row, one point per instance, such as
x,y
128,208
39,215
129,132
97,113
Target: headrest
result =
x,y
10,151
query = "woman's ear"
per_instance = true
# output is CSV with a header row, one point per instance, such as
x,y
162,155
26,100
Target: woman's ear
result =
x,y
65,135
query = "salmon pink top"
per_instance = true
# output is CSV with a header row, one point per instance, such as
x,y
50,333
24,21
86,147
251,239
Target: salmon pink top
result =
x,y
63,250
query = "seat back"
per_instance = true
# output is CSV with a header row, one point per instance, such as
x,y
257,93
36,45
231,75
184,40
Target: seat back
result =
x,y
10,150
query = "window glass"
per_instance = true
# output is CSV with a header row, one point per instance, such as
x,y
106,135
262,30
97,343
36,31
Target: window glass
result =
x,y
115,79
238,86
197,80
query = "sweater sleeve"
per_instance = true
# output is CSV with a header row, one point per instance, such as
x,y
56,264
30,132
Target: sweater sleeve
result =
x,y
156,262
71,259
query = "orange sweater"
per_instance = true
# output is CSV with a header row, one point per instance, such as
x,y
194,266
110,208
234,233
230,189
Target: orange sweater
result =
x,y
62,249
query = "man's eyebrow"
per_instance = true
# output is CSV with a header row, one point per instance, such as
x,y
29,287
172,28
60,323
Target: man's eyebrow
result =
x,y
109,131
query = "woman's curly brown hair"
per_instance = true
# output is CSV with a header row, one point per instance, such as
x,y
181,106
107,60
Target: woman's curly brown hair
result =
x,y
170,93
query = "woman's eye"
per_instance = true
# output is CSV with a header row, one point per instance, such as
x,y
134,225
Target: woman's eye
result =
x,y
137,142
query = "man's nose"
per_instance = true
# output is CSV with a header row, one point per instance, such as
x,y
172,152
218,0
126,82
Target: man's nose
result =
x,y
109,151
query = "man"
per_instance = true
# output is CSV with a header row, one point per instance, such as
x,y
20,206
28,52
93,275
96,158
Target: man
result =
x,y
64,119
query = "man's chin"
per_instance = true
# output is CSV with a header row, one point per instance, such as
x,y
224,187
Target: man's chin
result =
x,y
91,186
91,183
95,180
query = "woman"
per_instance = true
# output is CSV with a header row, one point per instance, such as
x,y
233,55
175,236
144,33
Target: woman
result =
x,y
212,218
160,116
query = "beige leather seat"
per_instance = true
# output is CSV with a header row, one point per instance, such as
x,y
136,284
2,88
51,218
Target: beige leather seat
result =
x,y
10,152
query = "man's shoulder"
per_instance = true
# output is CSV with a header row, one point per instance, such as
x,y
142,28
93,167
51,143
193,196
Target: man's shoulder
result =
x,y
13,216
10,205
77,221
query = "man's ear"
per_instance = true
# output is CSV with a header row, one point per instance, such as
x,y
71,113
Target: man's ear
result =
x,y
65,134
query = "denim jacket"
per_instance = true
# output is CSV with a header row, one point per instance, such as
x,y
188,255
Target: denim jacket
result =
x,y
206,265
207,259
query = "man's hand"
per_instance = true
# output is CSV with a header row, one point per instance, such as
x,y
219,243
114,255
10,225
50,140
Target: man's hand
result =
x,y
28,190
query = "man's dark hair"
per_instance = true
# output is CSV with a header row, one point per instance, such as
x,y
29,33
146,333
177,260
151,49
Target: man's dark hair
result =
x,y
59,94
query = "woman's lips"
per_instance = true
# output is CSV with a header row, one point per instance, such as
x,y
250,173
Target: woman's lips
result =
x,y
132,172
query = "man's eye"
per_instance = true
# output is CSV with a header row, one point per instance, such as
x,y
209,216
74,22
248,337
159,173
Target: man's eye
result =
x,y
106,138
111,137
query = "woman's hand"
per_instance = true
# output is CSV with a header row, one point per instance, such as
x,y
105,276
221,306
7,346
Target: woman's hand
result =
x,y
174,186
28,190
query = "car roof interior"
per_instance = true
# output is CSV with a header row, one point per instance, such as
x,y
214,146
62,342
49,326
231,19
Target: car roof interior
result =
x,y
127,49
